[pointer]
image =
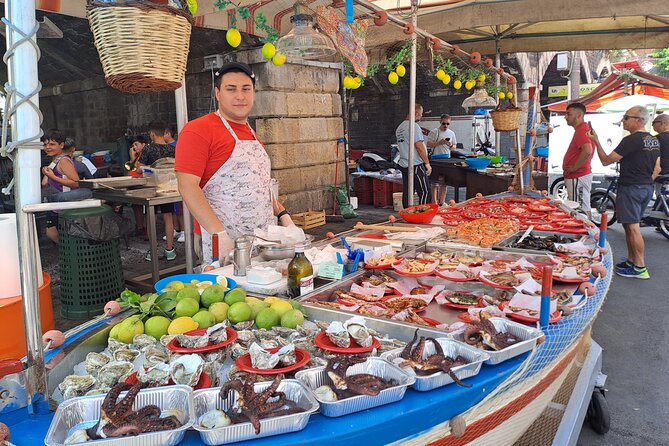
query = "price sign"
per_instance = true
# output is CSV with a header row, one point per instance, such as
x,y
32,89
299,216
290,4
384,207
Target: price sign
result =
x,y
331,270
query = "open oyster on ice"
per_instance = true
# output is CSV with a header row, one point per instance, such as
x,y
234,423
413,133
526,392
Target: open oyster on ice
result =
x,y
338,334
126,354
358,331
142,342
193,341
155,355
76,385
94,362
218,333
114,372
158,374
186,369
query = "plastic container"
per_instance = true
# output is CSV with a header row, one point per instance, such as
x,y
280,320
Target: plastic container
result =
x,y
421,218
163,178
478,163
542,151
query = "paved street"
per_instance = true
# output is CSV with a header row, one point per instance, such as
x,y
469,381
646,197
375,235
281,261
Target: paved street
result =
x,y
632,331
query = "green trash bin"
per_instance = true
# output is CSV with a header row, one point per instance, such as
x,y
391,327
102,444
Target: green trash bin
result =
x,y
90,270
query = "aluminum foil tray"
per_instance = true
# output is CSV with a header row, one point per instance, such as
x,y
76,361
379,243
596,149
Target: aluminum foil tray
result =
x,y
84,412
529,336
474,357
507,244
316,377
209,399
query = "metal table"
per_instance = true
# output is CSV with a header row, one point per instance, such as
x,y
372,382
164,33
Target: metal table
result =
x,y
148,280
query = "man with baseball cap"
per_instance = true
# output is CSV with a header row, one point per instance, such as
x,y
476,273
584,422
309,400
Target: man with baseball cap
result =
x,y
223,170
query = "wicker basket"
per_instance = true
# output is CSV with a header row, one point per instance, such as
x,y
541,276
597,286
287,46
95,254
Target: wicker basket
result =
x,y
143,47
506,120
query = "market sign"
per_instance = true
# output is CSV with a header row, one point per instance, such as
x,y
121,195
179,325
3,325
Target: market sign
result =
x,y
561,91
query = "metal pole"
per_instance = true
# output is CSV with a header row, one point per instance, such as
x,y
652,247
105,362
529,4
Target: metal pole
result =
x,y
181,102
21,59
412,106
498,61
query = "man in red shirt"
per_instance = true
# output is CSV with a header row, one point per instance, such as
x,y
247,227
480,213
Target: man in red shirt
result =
x,y
223,171
576,164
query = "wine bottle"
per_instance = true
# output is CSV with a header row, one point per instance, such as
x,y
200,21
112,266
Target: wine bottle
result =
x,y
300,274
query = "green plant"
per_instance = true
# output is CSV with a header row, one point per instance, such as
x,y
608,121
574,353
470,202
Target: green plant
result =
x,y
259,20
661,58
401,56
447,65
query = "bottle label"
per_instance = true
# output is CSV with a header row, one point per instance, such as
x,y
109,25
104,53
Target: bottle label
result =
x,y
306,285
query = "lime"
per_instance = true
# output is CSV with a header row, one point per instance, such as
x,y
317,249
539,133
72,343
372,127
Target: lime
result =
x,y
113,333
268,51
174,286
156,326
401,70
393,78
182,325
204,319
189,293
219,310
212,294
257,306
236,295
187,307
279,59
267,318
233,37
239,312
441,74
281,307
292,319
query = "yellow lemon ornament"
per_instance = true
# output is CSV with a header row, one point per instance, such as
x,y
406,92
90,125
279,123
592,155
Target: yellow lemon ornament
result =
x,y
501,95
348,82
457,84
393,78
400,70
233,37
447,79
441,74
279,59
481,78
268,51
192,6
357,82
470,84
509,95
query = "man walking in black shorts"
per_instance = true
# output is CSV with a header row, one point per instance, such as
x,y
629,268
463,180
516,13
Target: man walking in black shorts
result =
x,y
639,156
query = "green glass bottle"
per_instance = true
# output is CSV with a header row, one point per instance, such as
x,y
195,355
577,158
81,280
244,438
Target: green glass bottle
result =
x,y
300,274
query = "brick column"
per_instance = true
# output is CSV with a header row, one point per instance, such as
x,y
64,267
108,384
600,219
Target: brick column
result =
x,y
298,116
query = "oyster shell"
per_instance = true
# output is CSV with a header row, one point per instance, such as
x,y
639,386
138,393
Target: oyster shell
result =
x,y
237,350
214,419
338,334
287,355
78,436
142,342
269,343
218,333
155,355
326,394
126,354
308,328
244,325
94,361
261,358
166,339
358,331
114,372
283,331
98,391
158,374
188,341
186,369
115,344
246,337
76,385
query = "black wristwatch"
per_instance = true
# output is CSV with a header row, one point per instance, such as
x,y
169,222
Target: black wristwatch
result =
x,y
281,214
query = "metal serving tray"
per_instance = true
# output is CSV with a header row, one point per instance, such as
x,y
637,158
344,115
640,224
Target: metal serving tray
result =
x,y
529,336
116,183
209,399
84,412
316,377
505,245
452,349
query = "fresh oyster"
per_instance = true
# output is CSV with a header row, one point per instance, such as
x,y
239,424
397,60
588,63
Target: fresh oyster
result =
x,y
142,342
155,355
326,394
308,328
78,436
186,369
189,341
321,325
215,419
246,325
94,361
283,331
115,344
338,334
76,385
246,337
166,339
218,333
317,362
269,343
114,372
287,355
98,391
237,350
158,374
126,354
358,331
261,358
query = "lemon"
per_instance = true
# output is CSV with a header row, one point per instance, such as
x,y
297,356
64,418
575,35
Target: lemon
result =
x,y
214,293
268,318
470,84
220,311
129,328
393,78
457,84
509,95
501,95
349,83
174,286
189,293
292,319
236,295
271,299
157,326
113,333
401,70
447,79
257,306
233,37
239,312
357,82
187,307
182,325
481,78
279,59
268,51
222,281
204,319
281,307
441,74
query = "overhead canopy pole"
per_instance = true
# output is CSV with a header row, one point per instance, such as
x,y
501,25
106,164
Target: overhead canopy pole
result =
x,y
412,104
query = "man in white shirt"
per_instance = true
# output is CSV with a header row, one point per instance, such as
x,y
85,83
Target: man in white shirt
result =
x,y
421,163
442,139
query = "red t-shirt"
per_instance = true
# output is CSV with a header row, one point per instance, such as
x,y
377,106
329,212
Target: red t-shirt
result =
x,y
579,139
204,145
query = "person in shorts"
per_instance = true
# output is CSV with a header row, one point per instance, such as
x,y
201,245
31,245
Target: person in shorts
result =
x,y
576,164
639,158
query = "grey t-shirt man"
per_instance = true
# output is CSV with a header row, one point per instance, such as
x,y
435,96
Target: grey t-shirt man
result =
x,y
402,135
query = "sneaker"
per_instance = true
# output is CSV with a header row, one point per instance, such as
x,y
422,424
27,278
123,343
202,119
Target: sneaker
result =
x,y
634,272
171,254
624,264
147,257
182,237
176,235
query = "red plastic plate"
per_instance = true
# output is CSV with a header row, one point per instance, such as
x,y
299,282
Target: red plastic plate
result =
x,y
321,340
385,265
203,383
482,279
402,272
176,348
244,363
453,221
555,317
441,274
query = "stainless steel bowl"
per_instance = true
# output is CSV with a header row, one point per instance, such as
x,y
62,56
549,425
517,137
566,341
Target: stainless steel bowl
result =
x,y
282,251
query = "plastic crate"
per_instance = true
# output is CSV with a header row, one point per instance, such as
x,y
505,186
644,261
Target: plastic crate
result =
x,y
90,271
363,189
383,192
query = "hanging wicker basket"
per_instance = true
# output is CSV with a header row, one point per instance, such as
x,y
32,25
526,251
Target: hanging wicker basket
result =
x,y
143,46
506,119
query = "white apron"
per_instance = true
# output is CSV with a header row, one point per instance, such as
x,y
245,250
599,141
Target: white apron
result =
x,y
239,191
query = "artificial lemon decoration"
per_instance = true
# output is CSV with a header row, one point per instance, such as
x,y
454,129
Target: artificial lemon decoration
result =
x,y
192,6
470,84
393,78
481,78
279,59
457,84
501,95
356,82
268,51
447,79
349,83
441,74
400,70
233,37
509,95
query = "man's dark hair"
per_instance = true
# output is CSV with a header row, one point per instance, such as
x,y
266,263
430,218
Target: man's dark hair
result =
x,y
171,129
69,144
54,135
578,106
157,127
140,139
445,116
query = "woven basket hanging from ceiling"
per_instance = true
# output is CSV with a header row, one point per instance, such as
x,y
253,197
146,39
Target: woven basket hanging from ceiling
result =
x,y
506,119
143,47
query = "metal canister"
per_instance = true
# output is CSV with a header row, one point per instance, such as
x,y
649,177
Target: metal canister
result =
x,y
241,256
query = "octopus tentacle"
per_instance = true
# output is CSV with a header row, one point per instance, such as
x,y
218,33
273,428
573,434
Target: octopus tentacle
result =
x,y
406,353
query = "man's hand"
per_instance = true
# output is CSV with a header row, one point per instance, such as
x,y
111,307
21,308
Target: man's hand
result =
x,y
569,169
428,169
592,135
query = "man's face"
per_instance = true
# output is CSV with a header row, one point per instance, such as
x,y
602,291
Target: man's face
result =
x,y
53,148
445,123
573,116
138,146
632,120
661,124
236,96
